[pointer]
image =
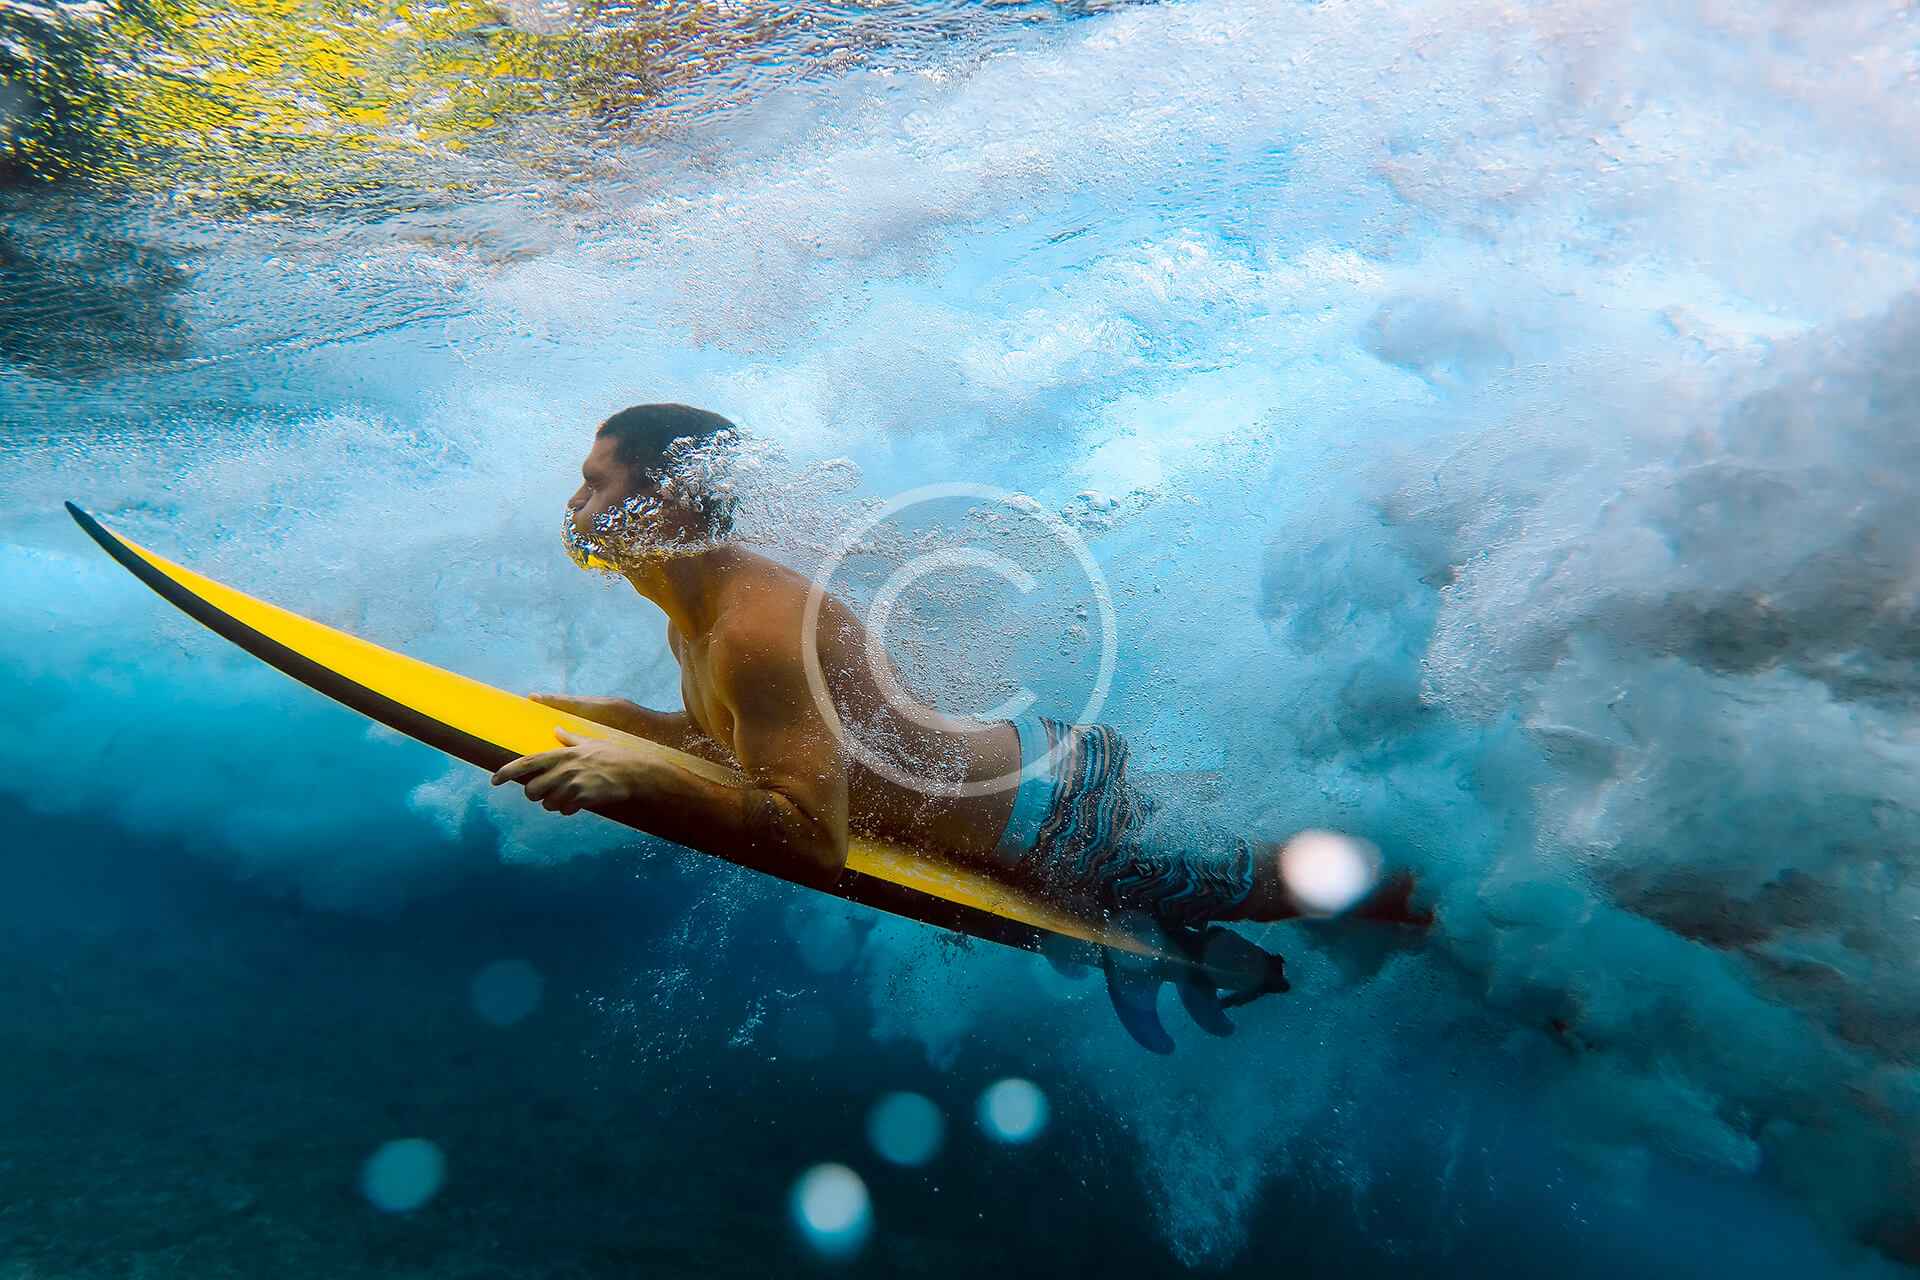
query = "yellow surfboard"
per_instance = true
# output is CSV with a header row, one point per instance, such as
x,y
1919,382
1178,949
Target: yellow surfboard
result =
x,y
487,727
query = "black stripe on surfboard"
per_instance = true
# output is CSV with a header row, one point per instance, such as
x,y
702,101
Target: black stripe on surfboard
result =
x,y
855,886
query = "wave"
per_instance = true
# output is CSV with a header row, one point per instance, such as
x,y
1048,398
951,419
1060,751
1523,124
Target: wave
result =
x,y
1509,417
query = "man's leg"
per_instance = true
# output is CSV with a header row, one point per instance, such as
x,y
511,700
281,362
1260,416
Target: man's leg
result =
x,y
1148,844
1184,866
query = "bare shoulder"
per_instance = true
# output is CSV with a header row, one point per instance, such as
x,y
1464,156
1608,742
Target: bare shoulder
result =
x,y
755,645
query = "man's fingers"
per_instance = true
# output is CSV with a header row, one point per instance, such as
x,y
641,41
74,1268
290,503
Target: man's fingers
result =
x,y
564,798
539,787
569,737
525,766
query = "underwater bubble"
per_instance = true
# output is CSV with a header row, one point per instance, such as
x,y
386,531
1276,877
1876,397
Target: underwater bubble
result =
x,y
506,991
1013,1110
831,1206
906,1129
1327,872
403,1175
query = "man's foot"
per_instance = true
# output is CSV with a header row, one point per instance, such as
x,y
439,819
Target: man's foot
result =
x,y
1392,903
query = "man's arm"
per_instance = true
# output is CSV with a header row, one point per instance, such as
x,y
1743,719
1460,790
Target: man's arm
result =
x,y
674,729
785,747
788,815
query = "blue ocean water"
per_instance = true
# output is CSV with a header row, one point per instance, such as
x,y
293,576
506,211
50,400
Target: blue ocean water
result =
x,y
1496,426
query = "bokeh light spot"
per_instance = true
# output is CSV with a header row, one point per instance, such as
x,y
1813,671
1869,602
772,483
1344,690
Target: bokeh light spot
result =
x,y
507,991
906,1129
1327,872
403,1175
1013,1110
832,1209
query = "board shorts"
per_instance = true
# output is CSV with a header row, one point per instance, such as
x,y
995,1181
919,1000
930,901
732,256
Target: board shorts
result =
x,y
1083,832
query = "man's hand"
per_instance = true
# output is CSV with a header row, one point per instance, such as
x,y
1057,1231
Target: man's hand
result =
x,y
585,773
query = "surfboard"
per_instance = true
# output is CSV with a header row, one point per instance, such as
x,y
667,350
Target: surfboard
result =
x,y
487,727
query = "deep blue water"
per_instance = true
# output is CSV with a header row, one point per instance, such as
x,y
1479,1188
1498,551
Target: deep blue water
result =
x,y
1497,427
201,1070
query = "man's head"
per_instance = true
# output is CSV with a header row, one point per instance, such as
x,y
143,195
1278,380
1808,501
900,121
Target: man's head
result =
x,y
642,483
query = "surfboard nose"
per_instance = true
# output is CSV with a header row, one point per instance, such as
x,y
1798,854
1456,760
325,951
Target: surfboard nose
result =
x,y
98,532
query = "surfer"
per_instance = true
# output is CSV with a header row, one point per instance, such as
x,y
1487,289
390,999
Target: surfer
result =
x,y
1080,831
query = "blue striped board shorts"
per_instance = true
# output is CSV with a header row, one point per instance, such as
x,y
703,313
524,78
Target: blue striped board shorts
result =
x,y
1082,832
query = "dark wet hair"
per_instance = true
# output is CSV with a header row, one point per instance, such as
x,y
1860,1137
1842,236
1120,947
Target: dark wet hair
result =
x,y
647,435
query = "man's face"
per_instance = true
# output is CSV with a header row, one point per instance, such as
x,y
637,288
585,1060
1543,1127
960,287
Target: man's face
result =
x,y
605,483
621,515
